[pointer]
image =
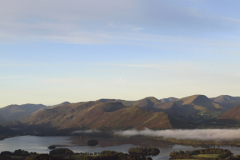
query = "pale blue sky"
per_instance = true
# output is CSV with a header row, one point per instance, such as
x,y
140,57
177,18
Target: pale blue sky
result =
x,y
78,50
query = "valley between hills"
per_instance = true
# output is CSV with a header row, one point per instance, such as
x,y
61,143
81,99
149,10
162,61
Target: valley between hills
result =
x,y
196,111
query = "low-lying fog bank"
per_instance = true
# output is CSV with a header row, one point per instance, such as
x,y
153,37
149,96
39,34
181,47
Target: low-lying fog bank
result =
x,y
198,134
86,131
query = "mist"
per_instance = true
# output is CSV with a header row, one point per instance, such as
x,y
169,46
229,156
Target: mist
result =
x,y
198,134
86,131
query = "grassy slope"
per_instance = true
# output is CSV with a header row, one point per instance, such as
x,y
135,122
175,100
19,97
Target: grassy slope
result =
x,y
198,103
154,104
97,115
207,155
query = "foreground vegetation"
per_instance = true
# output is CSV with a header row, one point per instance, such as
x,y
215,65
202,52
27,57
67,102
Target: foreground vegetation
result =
x,y
134,154
66,154
144,151
196,143
209,154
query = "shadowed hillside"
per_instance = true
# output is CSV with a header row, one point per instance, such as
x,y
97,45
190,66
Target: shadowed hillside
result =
x,y
98,115
2,118
198,103
151,103
156,105
14,112
227,101
233,114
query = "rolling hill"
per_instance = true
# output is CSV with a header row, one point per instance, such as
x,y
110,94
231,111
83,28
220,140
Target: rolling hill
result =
x,y
99,115
151,103
227,101
156,105
233,114
200,107
15,112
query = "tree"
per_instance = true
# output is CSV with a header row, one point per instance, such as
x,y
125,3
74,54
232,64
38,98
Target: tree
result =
x,y
92,142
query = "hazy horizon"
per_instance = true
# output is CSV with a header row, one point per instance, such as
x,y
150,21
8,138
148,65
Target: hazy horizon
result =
x,y
55,51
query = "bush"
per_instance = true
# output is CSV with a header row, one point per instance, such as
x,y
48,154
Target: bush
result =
x,y
20,152
61,152
43,157
6,153
52,147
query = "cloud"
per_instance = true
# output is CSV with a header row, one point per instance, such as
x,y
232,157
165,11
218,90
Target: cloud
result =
x,y
12,77
198,134
169,66
92,22
12,64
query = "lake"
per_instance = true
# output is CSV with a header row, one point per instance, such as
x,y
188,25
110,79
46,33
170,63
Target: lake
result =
x,y
79,144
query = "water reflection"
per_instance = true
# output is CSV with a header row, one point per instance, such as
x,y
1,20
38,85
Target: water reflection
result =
x,y
79,144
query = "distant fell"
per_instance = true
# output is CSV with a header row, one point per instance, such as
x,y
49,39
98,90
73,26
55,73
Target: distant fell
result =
x,y
227,101
169,99
198,103
107,100
152,103
15,112
148,102
61,104
99,115
111,106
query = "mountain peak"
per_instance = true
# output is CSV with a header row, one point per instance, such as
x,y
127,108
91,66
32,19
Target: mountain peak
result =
x,y
66,102
197,103
192,99
226,99
169,99
151,99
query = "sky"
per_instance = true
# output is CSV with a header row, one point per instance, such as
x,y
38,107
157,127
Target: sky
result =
x,y
78,50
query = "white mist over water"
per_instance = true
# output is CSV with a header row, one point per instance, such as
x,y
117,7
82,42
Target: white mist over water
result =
x,y
86,131
198,134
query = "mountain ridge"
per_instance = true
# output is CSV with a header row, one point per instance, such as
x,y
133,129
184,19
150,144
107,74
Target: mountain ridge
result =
x,y
97,115
15,112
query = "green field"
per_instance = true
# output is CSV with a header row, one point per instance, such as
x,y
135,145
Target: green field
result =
x,y
202,156
206,155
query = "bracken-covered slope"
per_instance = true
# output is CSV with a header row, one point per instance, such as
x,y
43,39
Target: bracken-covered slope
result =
x,y
198,103
14,112
151,103
99,115
156,105
233,114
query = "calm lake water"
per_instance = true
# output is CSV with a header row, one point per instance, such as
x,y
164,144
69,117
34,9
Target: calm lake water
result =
x,y
78,144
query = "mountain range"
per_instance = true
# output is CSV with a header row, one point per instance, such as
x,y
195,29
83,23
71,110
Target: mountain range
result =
x,y
227,101
148,112
99,115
